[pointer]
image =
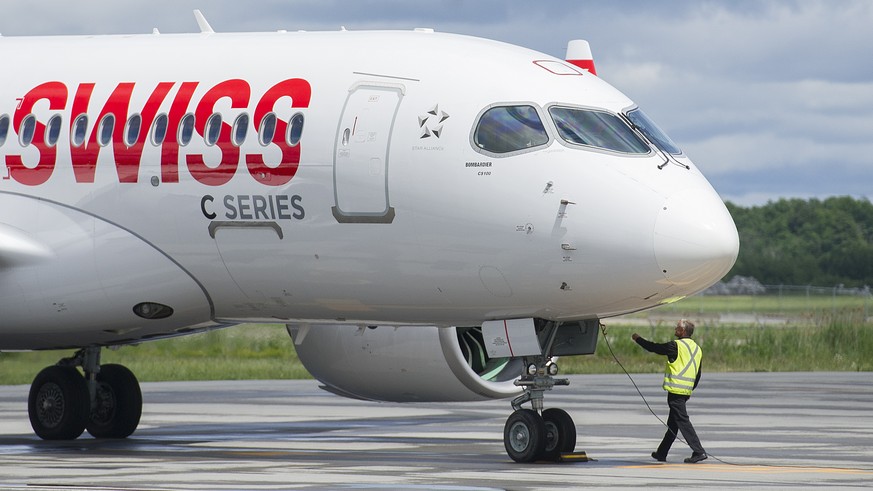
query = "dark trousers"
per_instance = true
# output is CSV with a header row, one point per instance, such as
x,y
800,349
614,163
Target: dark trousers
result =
x,y
679,421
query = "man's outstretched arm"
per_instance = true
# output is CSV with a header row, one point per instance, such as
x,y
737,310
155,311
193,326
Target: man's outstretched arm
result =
x,y
667,349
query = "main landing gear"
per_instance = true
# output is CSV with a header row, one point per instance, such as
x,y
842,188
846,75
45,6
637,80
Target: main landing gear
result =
x,y
536,434
62,404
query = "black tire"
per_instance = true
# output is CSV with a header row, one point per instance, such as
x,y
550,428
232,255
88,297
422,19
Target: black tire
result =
x,y
118,405
524,435
59,403
560,433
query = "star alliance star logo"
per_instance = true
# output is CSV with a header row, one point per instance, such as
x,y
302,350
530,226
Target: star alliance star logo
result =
x,y
431,122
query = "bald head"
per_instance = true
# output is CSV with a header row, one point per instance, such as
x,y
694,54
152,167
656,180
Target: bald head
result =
x,y
684,328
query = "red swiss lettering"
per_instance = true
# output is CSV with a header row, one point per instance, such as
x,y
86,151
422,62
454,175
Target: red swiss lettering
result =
x,y
239,93
56,95
300,92
170,148
127,159
84,157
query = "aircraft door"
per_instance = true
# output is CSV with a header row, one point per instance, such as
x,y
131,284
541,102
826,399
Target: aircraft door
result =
x,y
360,163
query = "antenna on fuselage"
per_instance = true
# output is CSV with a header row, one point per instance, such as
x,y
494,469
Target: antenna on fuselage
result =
x,y
205,28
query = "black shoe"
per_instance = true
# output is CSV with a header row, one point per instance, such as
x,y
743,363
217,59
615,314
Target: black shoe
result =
x,y
658,457
695,458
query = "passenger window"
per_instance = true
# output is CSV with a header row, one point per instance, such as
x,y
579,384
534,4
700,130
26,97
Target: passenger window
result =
x,y
28,127
213,129
4,128
240,129
80,129
159,129
295,130
597,129
107,126
505,129
186,129
53,130
131,131
267,129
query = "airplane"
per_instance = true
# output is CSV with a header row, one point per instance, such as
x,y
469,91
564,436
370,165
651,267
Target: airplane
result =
x,y
434,217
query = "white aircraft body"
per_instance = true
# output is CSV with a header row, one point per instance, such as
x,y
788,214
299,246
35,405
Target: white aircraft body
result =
x,y
435,217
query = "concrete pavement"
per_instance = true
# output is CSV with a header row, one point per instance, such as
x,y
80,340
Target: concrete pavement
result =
x,y
791,430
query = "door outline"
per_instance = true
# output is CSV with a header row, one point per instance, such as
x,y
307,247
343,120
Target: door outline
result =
x,y
361,155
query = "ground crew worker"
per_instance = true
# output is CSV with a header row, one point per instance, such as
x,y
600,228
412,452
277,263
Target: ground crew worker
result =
x,y
680,378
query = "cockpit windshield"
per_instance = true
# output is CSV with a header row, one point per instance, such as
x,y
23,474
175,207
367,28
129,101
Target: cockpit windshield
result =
x,y
652,132
597,129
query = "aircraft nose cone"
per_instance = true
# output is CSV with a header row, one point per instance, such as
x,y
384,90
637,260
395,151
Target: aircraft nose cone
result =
x,y
696,241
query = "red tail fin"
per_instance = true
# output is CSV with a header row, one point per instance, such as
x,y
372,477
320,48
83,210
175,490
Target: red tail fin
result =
x,y
579,54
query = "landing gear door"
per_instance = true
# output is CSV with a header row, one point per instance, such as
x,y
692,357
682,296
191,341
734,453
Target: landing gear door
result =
x,y
360,163
511,338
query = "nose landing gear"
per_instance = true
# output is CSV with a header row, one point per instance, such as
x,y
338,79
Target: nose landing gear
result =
x,y
62,403
536,434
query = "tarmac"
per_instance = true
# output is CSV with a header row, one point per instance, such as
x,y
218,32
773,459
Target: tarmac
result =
x,y
761,430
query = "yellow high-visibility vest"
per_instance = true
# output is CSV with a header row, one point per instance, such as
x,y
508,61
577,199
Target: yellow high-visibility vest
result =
x,y
680,375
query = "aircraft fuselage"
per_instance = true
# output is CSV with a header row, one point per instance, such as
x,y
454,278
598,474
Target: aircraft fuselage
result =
x,y
343,181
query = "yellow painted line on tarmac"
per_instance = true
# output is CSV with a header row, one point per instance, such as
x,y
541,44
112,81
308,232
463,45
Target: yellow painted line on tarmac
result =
x,y
759,469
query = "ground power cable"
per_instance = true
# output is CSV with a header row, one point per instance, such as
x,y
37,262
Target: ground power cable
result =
x,y
709,455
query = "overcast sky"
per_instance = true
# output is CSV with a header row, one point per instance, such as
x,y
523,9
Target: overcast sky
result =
x,y
771,99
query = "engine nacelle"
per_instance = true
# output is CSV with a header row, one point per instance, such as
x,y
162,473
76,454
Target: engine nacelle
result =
x,y
404,364
429,363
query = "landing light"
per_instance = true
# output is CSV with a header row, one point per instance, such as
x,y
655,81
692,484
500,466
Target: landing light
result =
x,y
551,368
152,310
532,369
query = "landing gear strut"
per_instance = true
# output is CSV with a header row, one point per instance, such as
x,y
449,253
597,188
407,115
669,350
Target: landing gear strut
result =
x,y
62,403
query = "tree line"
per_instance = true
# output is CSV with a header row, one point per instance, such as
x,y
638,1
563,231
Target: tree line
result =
x,y
806,242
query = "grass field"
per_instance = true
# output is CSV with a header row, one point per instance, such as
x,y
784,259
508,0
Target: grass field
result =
x,y
249,351
794,305
834,347
814,334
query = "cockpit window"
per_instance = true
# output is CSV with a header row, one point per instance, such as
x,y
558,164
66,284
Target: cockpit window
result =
x,y
652,132
596,129
504,129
